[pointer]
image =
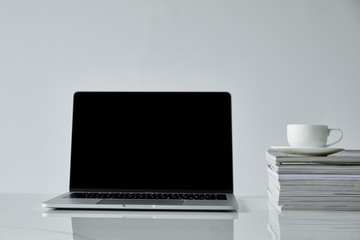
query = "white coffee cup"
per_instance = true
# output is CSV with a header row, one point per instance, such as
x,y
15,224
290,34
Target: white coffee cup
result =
x,y
306,135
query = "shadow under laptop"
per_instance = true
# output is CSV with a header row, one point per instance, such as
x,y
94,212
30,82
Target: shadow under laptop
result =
x,y
100,224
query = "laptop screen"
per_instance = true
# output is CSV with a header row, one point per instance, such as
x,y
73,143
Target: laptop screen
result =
x,y
151,141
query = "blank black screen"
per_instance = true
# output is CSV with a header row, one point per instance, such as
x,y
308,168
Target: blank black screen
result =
x,y
151,141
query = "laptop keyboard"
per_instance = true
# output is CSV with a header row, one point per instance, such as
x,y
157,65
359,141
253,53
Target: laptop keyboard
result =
x,y
180,196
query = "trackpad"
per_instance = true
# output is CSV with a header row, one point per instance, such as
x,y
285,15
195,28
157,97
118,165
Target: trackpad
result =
x,y
141,202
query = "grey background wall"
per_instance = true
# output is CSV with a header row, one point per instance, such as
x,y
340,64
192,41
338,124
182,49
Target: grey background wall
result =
x,y
283,62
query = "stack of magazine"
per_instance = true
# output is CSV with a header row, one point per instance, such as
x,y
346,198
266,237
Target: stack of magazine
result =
x,y
314,182
309,224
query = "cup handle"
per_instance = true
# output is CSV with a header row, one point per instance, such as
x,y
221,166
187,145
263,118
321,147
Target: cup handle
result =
x,y
338,140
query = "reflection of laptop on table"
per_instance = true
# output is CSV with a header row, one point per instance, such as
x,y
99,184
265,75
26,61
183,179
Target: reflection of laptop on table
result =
x,y
160,229
150,150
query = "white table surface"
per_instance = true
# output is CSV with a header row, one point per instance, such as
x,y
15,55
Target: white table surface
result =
x,y
22,217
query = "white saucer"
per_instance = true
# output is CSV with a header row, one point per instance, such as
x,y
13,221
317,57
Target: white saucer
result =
x,y
315,151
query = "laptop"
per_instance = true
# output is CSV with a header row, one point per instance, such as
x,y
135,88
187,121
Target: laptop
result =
x,y
150,150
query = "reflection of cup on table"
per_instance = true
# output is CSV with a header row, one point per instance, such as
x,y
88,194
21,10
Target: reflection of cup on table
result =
x,y
306,135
